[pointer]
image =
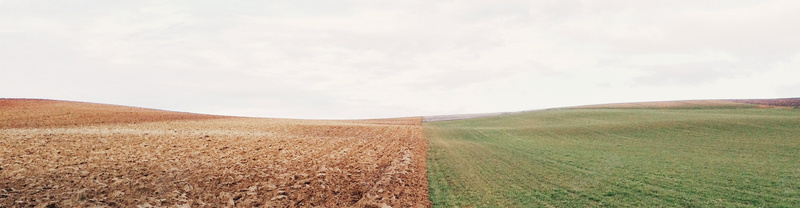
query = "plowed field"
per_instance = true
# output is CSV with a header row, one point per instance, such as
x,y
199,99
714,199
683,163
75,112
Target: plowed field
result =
x,y
785,102
698,104
66,154
685,104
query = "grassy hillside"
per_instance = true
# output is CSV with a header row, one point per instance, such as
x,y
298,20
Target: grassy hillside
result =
x,y
727,157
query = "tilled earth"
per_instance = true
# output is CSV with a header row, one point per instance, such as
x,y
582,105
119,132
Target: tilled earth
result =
x,y
786,102
167,159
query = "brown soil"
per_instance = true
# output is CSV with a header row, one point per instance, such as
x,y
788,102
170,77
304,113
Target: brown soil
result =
x,y
749,103
784,102
460,116
67,154
24,113
672,104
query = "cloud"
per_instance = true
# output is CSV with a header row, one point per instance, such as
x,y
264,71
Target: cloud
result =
x,y
359,59
683,74
746,27
789,90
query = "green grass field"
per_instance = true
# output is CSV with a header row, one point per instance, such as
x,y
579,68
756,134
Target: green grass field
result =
x,y
701,157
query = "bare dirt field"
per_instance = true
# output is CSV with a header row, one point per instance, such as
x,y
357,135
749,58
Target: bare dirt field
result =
x,y
784,102
742,103
671,104
458,117
68,154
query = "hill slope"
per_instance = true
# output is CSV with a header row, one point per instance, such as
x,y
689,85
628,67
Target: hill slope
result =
x,y
21,113
69,154
785,102
692,156
740,103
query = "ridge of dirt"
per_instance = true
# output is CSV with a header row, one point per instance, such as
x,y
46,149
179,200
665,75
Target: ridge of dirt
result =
x,y
733,103
670,104
68,154
33,113
459,116
782,102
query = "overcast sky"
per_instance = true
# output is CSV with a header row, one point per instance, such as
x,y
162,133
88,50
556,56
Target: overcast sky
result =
x,y
370,59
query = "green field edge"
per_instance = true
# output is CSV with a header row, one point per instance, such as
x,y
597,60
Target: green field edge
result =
x,y
576,157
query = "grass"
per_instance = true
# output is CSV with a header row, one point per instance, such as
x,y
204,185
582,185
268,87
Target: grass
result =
x,y
701,157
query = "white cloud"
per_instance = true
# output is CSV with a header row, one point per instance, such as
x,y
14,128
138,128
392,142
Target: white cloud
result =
x,y
360,59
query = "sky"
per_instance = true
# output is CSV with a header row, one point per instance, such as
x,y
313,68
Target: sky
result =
x,y
378,59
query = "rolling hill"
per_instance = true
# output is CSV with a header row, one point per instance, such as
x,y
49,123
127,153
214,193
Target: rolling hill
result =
x,y
720,153
733,153
72,154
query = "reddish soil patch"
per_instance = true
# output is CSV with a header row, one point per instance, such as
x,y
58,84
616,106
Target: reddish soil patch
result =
x,y
25,113
672,104
459,117
785,102
67,154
